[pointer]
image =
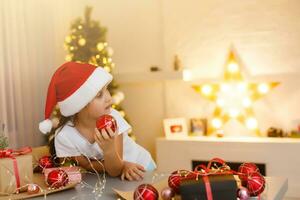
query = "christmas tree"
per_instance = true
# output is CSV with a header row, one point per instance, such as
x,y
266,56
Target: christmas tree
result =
x,y
87,43
3,139
3,142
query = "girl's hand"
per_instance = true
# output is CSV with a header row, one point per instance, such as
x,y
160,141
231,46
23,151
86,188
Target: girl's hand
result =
x,y
105,139
132,171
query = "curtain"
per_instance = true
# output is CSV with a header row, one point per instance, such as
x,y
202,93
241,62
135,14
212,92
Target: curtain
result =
x,y
31,48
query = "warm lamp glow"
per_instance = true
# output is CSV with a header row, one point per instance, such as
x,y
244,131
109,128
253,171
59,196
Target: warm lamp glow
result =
x,y
104,60
247,102
107,68
206,90
242,87
251,123
100,46
220,102
234,97
225,87
68,57
233,67
234,112
68,39
187,75
81,41
216,123
263,88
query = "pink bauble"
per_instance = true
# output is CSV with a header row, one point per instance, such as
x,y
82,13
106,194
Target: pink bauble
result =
x,y
243,193
167,193
33,188
145,192
255,183
176,177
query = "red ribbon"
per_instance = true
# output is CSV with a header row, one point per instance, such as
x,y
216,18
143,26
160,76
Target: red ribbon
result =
x,y
204,172
10,153
209,195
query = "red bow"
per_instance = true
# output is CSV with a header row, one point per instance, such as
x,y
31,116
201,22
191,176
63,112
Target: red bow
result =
x,y
8,153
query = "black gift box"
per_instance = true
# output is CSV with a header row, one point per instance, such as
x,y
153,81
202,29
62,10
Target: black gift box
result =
x,y
223,187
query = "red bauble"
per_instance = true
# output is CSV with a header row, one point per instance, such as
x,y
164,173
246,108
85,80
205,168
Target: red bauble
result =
x,y
57,178
176,177
145,192
46,162
106,121
255,183
245,169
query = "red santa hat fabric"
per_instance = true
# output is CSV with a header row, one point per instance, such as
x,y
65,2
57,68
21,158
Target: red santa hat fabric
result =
x,y
72,87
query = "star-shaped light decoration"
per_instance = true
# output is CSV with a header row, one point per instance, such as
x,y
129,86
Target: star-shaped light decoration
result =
x,y
234,97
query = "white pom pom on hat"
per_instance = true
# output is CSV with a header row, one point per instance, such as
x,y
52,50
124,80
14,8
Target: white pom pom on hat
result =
x,y
45,126
72,87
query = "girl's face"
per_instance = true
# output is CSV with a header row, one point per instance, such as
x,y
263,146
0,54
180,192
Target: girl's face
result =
x,y
101,104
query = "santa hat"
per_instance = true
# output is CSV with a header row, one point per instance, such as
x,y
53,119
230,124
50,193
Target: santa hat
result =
x,y
72,87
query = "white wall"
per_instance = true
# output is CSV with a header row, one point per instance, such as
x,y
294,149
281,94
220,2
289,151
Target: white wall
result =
x,y
266,37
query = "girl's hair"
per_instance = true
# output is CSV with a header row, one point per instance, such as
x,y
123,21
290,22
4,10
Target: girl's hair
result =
x,y
62,122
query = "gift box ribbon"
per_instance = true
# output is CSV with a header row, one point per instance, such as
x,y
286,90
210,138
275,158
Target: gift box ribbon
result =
x,y
204,171
10,153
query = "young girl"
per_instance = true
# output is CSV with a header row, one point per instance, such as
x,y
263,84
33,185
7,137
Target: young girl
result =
x,y
80,90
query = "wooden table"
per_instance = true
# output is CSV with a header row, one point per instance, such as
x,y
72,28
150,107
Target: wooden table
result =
x,y
276,188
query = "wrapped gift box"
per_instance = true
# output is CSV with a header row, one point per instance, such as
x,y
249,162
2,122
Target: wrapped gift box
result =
x,y
74,173
8,182
223,187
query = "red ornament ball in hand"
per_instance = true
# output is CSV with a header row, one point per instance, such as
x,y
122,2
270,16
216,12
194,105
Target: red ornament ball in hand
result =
x,y
145,192
46,162
176,177
106,121
255,183
57,178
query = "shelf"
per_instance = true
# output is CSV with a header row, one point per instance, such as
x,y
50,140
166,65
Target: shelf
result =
x,y
192,77
234,139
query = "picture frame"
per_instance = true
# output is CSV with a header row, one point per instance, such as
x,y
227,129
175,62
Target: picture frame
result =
x,y
175,128
198,126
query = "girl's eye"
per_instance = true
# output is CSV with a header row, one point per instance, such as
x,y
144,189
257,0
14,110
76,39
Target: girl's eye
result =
x,y
100,94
